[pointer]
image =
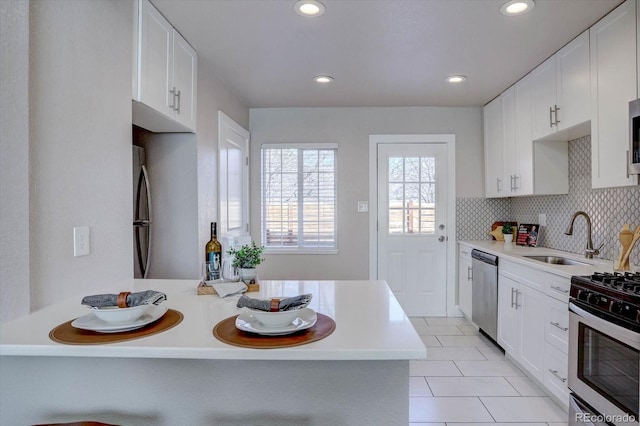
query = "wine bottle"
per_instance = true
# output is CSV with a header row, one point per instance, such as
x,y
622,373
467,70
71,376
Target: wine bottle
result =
x,y
213,255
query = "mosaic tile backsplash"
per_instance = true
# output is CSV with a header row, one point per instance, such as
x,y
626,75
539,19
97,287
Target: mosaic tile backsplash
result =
x,y
608,208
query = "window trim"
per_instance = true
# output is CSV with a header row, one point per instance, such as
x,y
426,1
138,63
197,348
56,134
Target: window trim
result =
x,y
311,146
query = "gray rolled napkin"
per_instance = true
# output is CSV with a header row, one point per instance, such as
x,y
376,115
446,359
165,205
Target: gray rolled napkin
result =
x,y
287,304
148,297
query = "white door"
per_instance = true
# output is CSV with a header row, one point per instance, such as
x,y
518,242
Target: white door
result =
x,y
233,145
412,225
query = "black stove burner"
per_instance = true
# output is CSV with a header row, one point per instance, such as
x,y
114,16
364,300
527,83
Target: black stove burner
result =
x,y
623,281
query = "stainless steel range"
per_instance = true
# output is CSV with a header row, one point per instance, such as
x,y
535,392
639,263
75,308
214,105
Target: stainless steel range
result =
x,y
604,349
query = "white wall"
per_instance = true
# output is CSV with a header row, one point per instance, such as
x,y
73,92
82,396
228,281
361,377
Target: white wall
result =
x,y
14,158
80,145
350,128
212,96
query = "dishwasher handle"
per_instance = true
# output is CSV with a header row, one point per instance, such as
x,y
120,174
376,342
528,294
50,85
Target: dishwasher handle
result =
x,y
484,257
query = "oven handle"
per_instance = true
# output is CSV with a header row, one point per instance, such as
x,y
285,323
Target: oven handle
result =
x,y
630,337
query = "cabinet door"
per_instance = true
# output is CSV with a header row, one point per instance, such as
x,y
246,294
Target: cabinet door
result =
x,y
156,71
185,65
493,150
508,316
523,181
465,281
531,305
509,139
613,85
573,82
543,79
557,324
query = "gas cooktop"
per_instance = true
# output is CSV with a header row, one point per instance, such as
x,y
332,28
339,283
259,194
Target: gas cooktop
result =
x,y
615,293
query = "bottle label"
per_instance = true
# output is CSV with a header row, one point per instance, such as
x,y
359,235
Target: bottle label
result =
x,y
213,272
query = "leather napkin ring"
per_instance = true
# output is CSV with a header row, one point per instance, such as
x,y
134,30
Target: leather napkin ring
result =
x,y
275,305
122,299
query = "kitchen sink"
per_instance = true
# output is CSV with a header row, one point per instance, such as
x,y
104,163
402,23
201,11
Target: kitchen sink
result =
x,y
555,260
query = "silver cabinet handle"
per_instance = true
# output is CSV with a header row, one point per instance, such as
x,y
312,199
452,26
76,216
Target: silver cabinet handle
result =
x,y
555,373
560,289
514,303
178,107
555,111
515,182
557,325
173,98
550,117
469,273
628,161
498,181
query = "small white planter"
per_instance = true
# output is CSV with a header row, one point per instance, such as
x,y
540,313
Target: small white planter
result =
x,y
508,238
248,275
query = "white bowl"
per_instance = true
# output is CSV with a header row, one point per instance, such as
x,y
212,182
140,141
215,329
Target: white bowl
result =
x,y
275,319
116,315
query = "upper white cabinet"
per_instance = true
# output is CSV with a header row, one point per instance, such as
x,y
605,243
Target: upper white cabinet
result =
x,y
165,75
561,94
494,149
613,84
515,165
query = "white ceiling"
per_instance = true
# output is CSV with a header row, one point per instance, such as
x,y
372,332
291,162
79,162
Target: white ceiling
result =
x,y
380,52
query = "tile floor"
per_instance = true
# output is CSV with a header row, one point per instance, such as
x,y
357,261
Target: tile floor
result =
x,y
467,381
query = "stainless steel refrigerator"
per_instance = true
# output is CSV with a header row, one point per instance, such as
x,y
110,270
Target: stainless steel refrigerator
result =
x,y
142,230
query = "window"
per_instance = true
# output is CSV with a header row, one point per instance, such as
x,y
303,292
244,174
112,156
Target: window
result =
x,y
412,195
299,197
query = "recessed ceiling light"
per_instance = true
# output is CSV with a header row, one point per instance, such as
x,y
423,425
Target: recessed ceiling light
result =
x,y
456,78
309,8
516,7
323,79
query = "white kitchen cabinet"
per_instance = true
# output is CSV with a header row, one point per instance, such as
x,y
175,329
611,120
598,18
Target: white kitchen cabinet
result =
x,y
556,372
521,324
493,149
508,316
465,280
531,168
613,85
561,93
165,75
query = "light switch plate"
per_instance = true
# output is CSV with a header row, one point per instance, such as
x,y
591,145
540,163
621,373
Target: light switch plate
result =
x,y
363,206
80,241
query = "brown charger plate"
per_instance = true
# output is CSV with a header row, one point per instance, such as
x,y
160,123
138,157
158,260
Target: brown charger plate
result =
x,y
67,334
227,332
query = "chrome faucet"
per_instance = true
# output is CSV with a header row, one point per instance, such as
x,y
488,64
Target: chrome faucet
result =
x,y
590,251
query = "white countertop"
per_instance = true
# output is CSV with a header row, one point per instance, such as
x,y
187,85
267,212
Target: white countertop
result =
x,y
516,253
370,325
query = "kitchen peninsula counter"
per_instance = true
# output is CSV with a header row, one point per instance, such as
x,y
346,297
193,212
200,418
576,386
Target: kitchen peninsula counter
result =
x,y
357,375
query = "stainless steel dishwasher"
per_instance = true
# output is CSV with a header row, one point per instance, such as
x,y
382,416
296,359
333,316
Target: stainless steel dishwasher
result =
x,y
484,305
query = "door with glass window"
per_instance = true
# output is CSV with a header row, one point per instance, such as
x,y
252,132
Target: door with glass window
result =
x,y
412,249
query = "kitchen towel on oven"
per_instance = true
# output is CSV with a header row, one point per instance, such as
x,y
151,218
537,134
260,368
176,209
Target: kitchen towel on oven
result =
x,y
148,297
275,304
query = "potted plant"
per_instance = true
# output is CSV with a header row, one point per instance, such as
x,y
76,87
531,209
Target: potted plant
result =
x,y
507,231
246,258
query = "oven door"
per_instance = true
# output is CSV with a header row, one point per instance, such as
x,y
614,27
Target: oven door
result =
x,y
604,365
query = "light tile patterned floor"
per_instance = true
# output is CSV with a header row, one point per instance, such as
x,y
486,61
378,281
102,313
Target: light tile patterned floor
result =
x,y
467,381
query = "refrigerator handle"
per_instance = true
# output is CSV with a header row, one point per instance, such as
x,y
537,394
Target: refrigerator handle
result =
x,y
144,263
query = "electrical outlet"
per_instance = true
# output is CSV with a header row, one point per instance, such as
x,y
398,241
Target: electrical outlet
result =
x,y
542,219
363,206
81,241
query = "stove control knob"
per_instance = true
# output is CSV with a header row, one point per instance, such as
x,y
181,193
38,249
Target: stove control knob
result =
x,y
593,299
583,295
615,307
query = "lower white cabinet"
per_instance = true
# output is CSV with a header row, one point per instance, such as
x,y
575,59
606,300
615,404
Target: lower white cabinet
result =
x,y
521,314
555,373
465,280
533,324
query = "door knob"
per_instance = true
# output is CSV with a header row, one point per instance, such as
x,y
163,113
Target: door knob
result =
x,y
441,227
441,238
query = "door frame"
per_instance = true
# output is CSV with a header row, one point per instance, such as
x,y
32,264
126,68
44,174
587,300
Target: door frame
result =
x,y
450,141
